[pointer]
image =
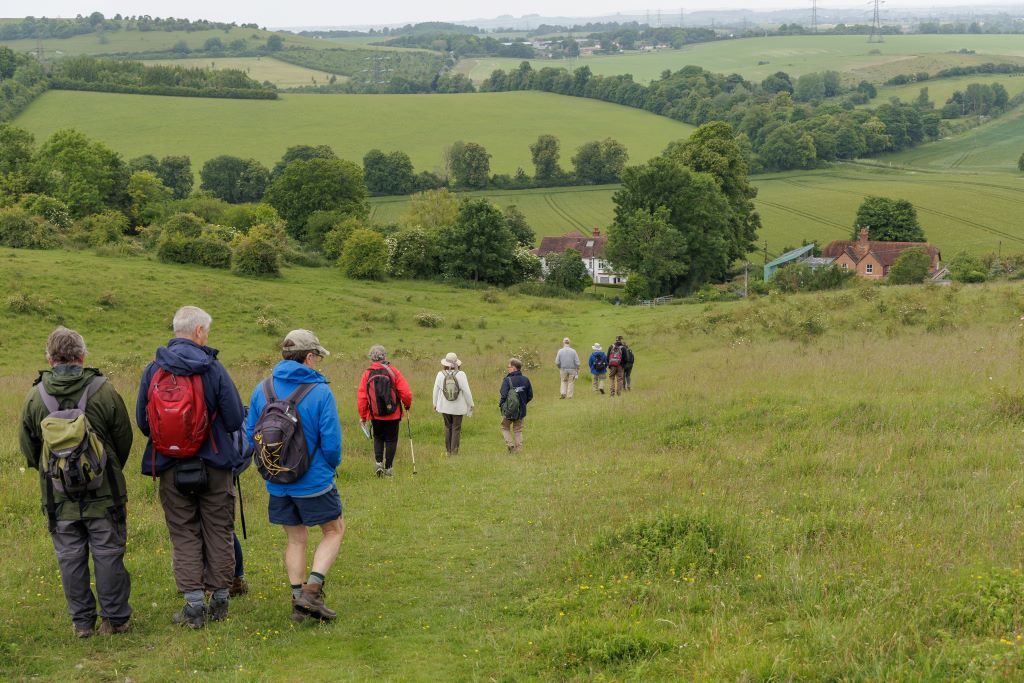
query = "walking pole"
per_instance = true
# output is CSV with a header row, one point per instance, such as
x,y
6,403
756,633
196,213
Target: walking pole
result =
x,y
241,506
412,449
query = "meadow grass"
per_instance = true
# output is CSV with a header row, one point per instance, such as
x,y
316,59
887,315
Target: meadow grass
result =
x,y
281,74
994,147
818,487
756,58
506,124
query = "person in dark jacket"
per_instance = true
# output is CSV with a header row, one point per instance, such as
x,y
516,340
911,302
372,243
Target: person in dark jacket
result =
x,y
94,523
512,429
312,499
627,364
616,367
200,523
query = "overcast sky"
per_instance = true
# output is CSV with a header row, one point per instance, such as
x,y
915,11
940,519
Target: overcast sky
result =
x,y
323,13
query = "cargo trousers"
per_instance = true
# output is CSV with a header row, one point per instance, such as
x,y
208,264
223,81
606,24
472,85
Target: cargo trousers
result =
x,y
74,540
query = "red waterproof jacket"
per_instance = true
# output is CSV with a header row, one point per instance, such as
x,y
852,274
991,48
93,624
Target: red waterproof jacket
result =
x,y
401,388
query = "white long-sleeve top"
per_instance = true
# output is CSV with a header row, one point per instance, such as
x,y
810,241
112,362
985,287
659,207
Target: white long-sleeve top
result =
x,y
463,405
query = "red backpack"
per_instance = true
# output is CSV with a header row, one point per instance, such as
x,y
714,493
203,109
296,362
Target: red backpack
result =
x,y
176,408
615,356
380,390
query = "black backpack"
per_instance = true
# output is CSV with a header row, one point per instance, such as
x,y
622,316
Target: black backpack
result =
x,y
280,450
380,389
601,362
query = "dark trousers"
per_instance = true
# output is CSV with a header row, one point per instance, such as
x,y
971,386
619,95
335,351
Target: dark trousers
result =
x,y
452,432
202,529
385,440
73,540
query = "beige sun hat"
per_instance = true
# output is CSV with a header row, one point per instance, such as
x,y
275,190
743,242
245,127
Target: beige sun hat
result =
x,y
451,360
303,340
596,346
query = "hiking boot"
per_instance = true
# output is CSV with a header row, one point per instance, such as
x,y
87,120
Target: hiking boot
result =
x,y
562,396
298,616
511,449
311,602
108,629
380,469
601,390
82,630
388,473
193,616
239,586
218,609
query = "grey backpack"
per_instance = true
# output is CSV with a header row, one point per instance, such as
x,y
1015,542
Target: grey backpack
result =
x,y
450,386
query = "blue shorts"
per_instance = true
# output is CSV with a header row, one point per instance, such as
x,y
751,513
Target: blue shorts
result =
x,y
289,511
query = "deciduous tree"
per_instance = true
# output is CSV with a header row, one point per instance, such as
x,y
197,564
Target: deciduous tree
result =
x,y
318,185
889,220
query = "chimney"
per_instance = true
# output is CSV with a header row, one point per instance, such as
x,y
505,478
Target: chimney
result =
x,y
862,243
597,232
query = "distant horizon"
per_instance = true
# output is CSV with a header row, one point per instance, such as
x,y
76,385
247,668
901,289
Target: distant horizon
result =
x,y
311,14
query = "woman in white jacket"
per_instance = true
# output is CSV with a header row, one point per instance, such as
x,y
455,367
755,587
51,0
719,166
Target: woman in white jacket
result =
x,y
453,399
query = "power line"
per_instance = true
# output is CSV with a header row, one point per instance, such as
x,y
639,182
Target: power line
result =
x,y
876,25
814,16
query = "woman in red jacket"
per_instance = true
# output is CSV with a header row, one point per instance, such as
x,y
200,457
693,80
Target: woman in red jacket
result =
x,y
383,393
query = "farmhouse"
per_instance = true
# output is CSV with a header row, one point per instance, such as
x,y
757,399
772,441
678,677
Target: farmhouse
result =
x,y
591,249
872,259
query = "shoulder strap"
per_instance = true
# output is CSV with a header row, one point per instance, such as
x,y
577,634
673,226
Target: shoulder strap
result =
x,y
93,387
268,390
49,401
300,393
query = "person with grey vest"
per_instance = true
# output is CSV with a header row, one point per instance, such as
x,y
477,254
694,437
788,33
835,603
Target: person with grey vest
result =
x,y
92,521
568,363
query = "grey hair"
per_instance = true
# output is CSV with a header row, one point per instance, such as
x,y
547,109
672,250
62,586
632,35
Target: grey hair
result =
x,y
65,346
377,353
188,318
515,363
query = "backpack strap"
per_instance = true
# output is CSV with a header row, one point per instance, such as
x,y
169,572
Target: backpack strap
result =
x,y
300,393
268,389
49,401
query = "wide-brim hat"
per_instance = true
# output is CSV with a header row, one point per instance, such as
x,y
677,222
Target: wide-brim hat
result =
x,y
565,341
596,347
303,340
451,361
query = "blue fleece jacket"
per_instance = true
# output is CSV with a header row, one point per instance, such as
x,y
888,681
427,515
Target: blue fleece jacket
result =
x,y
319,415
184,357
593,358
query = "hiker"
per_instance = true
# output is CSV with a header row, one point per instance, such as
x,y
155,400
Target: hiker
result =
x,y
616,369
84,497
383,394
299,461
627,362
188,407
568,363
453,399
516,392
598,367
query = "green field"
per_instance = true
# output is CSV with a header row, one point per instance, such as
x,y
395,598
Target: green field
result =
x,y
993,148
795,55
940,90
281,74
816,487
151,41
419,125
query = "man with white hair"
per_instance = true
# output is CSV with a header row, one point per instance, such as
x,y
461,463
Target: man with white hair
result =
x,y
568,363
73,424
189,407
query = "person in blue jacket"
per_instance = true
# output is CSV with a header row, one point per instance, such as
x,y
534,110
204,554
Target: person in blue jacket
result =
x,y
199,508
598,367
313,499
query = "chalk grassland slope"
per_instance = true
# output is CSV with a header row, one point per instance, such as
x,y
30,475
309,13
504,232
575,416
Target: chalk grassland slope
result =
x,y
958,211
992,148
419,125
940,90
281,74
741,515
117,42
795,55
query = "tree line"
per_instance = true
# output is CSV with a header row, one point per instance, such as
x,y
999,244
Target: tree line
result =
x,y
43,27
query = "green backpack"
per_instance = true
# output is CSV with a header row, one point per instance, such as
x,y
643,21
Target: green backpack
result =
x,y
510,409
450,386
73,457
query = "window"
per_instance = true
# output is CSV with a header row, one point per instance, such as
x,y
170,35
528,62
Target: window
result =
x,y
846,266
869,268
590,243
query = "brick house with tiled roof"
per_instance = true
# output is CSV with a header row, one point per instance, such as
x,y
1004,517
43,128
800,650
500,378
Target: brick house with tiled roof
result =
x,y
591,249
872,259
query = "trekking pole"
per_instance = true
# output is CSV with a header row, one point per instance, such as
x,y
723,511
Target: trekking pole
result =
x,y
241,506
412,449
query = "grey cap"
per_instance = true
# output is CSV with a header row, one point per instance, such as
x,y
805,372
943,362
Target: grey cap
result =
x,y
303,340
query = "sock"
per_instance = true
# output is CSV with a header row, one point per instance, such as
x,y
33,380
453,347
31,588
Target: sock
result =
x,y
195,597
315,577
296,590
220,594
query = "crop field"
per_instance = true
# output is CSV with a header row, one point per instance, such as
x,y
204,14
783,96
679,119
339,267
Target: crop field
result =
x,y
150,41
940,90
756,58
994,148
740,515
419,125
281,74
